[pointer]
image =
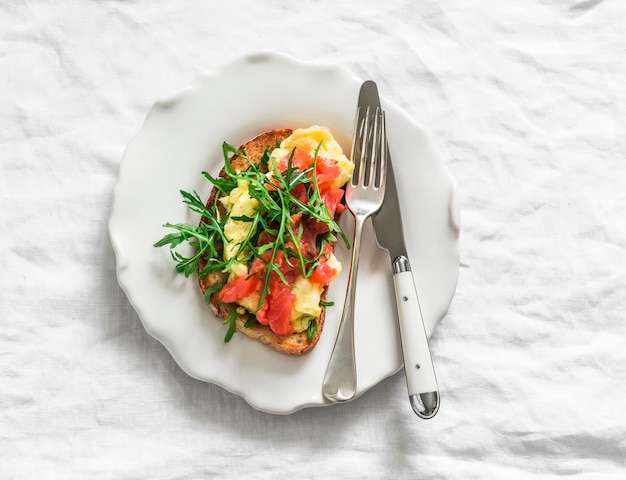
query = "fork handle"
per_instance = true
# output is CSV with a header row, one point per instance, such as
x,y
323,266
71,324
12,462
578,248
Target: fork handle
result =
x,y
340,379
418,365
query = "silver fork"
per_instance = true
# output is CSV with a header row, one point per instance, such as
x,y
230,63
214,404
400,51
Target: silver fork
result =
x,y
364,197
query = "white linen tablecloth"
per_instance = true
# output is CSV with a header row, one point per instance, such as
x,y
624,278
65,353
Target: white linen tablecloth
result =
x,y
525,102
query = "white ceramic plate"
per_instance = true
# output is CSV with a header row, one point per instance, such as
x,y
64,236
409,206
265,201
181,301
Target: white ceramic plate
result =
x,y
182,136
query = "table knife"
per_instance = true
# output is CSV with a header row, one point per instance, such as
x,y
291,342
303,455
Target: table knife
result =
x,y
418,366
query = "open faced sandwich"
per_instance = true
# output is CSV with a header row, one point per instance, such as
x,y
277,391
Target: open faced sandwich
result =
x,y
263,249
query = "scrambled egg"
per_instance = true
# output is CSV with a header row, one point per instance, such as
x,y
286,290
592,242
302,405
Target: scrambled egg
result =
x,y
238,203
308,294
308,139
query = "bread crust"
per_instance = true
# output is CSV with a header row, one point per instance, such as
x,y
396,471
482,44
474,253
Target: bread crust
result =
x,y
297,343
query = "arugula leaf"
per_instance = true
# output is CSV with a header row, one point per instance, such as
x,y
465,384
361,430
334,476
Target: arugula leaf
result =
x,y
231,321
217,286
312,330
250,321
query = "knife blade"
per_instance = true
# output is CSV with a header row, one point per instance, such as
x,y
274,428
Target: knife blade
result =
x,y
418,367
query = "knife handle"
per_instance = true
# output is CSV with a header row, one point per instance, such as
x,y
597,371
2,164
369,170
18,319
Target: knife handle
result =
x,y
418,365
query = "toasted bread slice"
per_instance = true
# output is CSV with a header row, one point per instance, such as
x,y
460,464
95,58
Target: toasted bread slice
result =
x,y
297,343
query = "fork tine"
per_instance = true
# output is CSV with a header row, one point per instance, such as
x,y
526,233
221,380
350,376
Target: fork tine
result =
x,y
382,149
371,142
355,152
364,129
375,141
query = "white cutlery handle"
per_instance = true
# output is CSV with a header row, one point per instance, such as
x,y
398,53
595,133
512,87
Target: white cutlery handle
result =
x,y
418,365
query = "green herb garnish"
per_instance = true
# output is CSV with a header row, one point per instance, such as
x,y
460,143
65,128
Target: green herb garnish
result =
x,y
231,321
251,320
217,286
312,330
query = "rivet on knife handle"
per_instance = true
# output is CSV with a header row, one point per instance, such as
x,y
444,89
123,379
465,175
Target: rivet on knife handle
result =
x,y
418,365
